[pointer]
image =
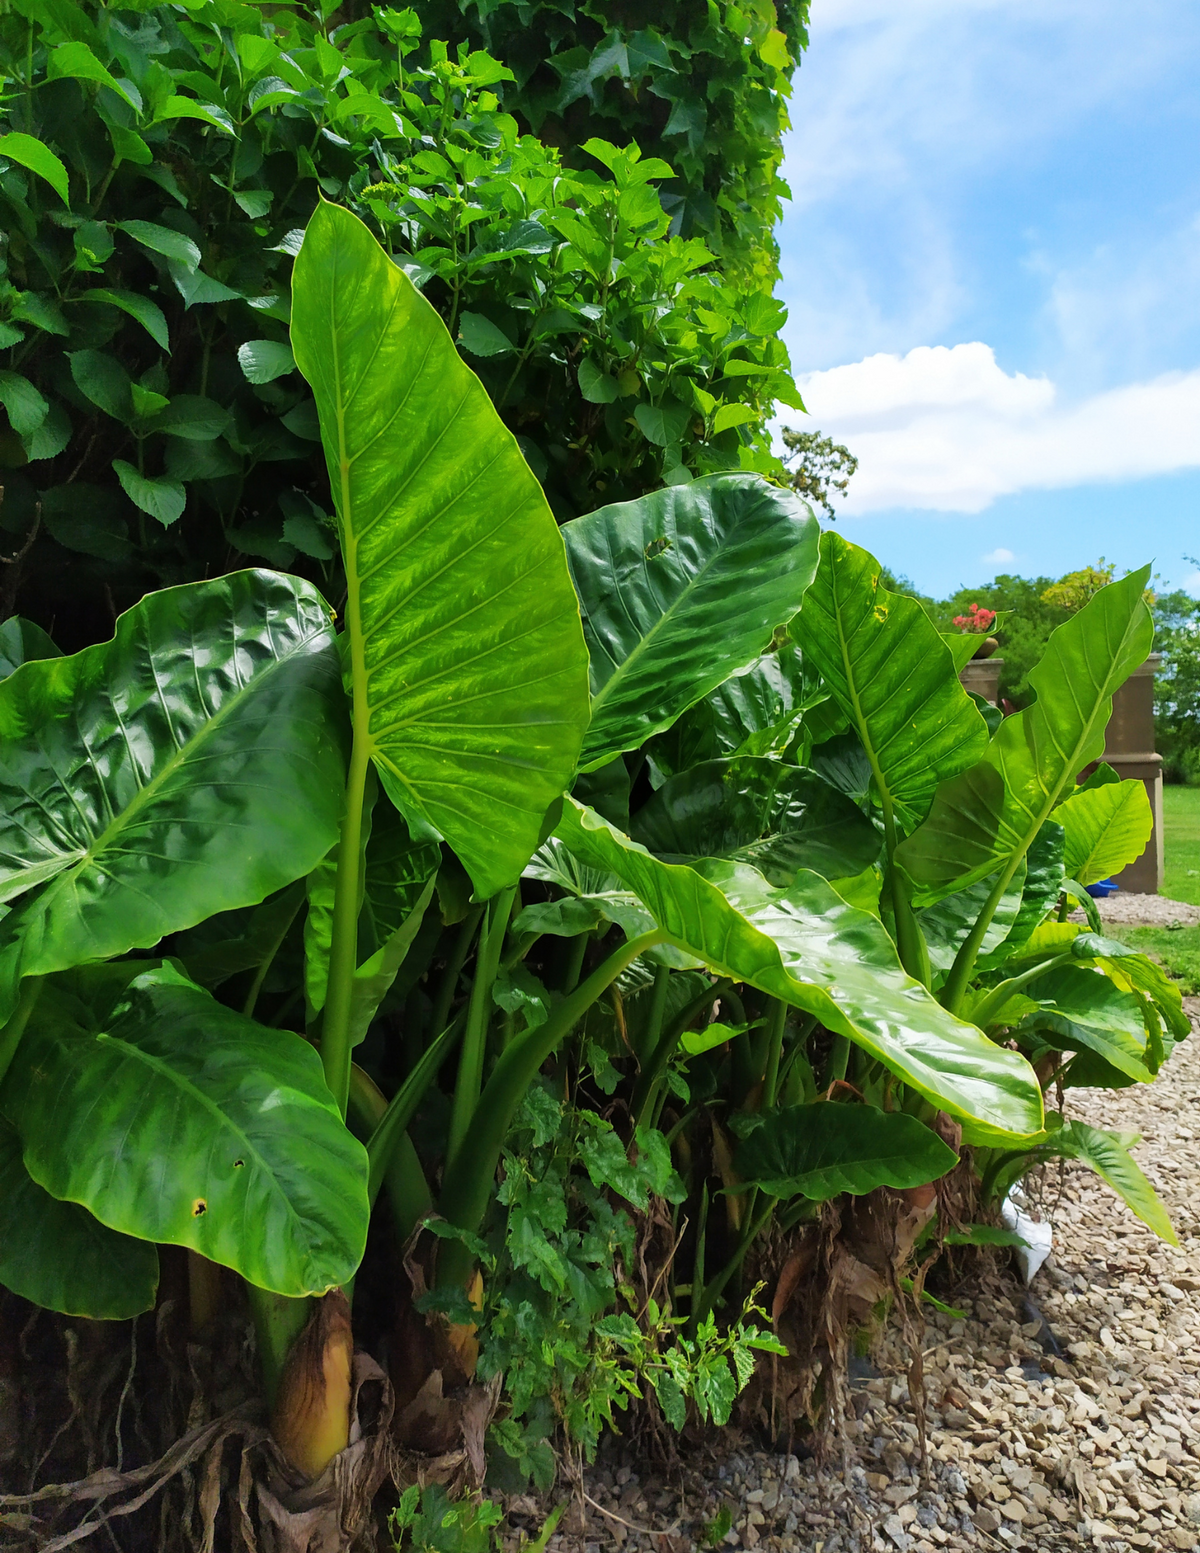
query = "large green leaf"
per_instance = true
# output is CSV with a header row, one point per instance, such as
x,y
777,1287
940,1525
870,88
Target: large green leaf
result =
x,y
753,810
1112,1161
983,818
466,655
754,712
809,947
1082,1008
679,589
893,676
193,764
946,925
60,1257
822,1149
1106,828
1044,876
174,1119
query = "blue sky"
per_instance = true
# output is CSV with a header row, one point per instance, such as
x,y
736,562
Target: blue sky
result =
x,y
991,263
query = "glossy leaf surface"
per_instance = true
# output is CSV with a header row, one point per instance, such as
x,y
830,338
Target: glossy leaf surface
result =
x,y
983,817
60,1257
679,589
174,1119
1082,1009
823,1149
1105,829
809,947
466,655
947,924
1044,877
193,764
754,712
753,810
892,675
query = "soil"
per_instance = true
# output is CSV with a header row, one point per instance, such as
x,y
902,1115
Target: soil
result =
x,y
1061,1417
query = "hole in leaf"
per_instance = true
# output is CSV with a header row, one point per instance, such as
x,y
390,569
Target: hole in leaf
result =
x,y
199,1207
657,546
238,1163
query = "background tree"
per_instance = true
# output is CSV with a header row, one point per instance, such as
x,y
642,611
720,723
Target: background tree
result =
x,y
818,467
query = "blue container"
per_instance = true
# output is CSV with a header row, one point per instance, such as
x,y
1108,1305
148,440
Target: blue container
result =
x,y
1101,888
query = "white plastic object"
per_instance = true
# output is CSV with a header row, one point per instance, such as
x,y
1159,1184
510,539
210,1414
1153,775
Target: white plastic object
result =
x,y
1038,1237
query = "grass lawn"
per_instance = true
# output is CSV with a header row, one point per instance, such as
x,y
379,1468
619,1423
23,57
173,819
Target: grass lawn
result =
x,y
1181,827
1177,948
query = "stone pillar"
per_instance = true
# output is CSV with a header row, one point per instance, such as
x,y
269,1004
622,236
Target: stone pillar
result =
x,y
982,675
1129,750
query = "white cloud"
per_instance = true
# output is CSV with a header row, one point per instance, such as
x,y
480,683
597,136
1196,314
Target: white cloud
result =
x,y
948,429
998,557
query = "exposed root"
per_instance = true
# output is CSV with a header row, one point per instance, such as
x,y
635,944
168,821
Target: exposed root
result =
x,y
259,1499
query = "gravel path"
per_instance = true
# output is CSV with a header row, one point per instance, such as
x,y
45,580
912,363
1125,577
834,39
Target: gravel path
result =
x,y
1097,1449
1150,910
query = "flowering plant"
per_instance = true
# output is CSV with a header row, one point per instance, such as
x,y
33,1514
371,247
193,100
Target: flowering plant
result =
x,y
981,620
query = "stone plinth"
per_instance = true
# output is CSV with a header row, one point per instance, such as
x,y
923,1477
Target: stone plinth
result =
x,y
982,675
1129,750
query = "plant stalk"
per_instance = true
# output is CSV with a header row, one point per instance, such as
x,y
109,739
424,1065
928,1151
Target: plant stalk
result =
x,y
470,1064
343,948
778,1018
278,1322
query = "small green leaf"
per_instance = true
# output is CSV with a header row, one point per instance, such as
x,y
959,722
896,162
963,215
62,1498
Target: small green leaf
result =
x,y
103,380
194,417
162,499
253,202
597,387
262,361
198,289
481,337
164,240
76,61
146,402
147,313
26,407
662,423
39,159
733,415
189,108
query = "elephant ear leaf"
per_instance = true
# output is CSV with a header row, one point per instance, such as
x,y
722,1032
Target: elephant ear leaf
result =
x,y
753,810
822,1149
466,656
173,1119
983,818
193,764
1106,828
60,1257
807,946
1114,1164
679,589
893,677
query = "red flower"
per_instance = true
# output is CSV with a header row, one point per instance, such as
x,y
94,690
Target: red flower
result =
x,y
980,620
